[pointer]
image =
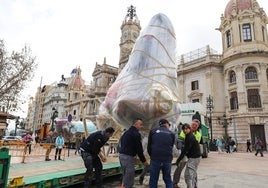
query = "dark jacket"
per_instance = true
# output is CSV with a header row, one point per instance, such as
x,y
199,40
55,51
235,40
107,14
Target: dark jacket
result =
x,y
160,144
49,139
94,142
130,143
191,148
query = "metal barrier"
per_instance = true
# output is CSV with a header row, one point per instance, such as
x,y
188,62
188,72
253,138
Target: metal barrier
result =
x,y
112,146
31,151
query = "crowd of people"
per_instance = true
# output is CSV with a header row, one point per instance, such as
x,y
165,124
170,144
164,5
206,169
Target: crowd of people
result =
x,y
161,141
229,145
52,140
160,145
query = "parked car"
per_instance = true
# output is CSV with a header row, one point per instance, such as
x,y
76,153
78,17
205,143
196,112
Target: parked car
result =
x,y
9,139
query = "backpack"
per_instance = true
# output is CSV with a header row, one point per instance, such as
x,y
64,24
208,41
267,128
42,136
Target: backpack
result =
x,y
260,143
179,143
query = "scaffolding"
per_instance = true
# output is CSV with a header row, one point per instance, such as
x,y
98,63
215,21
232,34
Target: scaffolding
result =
x,y
197,54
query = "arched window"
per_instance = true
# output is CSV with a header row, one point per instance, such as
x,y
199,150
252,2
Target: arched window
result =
x,y
232,77
254,98
251,73
233,100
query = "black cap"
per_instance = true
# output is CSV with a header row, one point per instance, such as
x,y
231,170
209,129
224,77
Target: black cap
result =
x,y
163,122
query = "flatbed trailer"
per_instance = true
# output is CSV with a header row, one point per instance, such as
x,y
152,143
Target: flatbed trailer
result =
x,y
35,172
55,173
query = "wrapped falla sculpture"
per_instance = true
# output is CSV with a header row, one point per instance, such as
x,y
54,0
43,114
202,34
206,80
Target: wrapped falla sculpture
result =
x,y
147,86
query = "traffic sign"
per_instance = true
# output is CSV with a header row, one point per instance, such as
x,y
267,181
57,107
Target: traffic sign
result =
x,y
70,117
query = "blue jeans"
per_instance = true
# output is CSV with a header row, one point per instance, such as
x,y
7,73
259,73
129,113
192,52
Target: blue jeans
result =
x,y
165,167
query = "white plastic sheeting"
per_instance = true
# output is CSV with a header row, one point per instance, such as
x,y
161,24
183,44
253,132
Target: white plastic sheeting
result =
x,y
147,86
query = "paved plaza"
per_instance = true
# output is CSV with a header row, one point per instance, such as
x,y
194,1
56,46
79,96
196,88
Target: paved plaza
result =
x,y
236,170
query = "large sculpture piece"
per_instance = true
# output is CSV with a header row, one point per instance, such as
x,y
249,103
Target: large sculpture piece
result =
x,y
147,86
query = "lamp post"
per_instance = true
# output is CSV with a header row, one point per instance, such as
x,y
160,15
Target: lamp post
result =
x,y
225,125
225,122
70,118
69,138
53,117
209,108
17,124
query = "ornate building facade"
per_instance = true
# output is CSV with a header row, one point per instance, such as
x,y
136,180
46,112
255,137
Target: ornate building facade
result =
x,y
237,79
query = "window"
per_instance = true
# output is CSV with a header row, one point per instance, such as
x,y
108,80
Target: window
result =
x,y
228,38
195,100
195,85
246,32
75,95
232,77
267,74
254,99
233,100
263,33
251,73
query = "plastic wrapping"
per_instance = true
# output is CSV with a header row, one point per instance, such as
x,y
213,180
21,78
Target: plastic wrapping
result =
x,y
147,86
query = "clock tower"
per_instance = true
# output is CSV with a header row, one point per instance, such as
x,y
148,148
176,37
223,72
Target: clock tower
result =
x,y
130,30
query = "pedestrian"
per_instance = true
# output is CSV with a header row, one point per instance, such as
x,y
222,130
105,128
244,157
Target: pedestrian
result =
x,y
27,139
258,146
37,139
179,144
248,145
192,151
194,129
78,141
231,144
59,143
219,144
48,145
92,155
160,149
129,146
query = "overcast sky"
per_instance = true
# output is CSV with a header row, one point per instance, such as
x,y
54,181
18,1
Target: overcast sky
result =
x,y
64,34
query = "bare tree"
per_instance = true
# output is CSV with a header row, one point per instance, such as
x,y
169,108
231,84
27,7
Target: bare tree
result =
x,y
16,70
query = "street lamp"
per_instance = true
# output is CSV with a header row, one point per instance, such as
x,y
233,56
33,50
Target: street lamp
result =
x,y
225,123
17,124
209,108
53,117
69,137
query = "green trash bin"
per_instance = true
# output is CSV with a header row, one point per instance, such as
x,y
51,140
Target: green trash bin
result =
x,y
4,166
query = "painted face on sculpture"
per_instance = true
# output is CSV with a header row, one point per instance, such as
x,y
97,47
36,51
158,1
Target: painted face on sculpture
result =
x,y
147,86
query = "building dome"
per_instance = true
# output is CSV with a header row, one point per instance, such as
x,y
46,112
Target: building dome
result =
x,y
236,6
77,82
74,71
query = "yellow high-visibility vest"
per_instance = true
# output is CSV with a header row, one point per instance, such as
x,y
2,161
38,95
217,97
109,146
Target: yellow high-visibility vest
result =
x,y
196,134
